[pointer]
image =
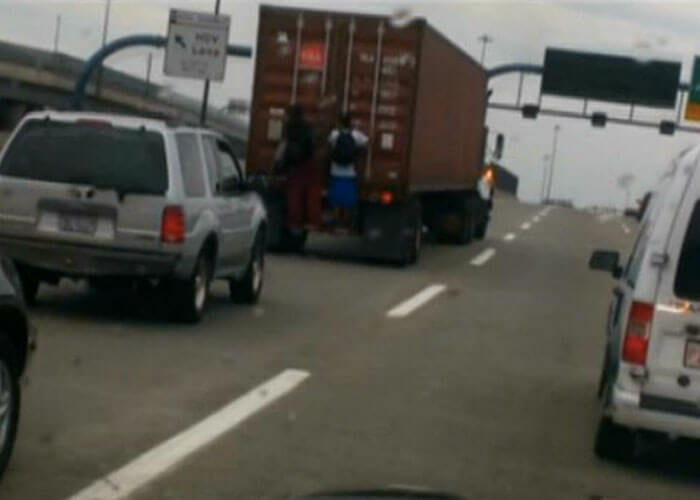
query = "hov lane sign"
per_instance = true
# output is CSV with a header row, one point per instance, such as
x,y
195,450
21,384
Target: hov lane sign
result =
x,y
196,45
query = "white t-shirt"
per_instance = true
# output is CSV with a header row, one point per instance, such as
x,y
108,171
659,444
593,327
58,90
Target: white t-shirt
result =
x,y
361,141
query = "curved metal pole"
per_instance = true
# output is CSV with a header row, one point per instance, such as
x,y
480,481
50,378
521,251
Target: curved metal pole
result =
x,y
98,57
96,60
514,68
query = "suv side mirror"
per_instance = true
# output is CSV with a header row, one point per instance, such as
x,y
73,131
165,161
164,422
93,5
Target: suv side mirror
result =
x,y
606,260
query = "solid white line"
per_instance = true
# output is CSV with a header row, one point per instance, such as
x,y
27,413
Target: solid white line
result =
x,y
483,257
525,226
626,229
421,298
155,462
509,237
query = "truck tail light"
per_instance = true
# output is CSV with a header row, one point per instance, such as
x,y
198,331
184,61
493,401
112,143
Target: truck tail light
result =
x,y
386,197
634,349
172,228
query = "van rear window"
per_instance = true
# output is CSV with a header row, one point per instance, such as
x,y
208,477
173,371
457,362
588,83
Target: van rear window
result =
x,y
91,153
687,284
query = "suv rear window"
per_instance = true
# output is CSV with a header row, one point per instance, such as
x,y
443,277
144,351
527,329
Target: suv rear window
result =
x,y
687,284
128,160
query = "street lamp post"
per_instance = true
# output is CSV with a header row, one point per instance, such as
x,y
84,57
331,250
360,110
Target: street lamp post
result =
x,y
553,157
484,39
205,96
57,33
105,27
545,161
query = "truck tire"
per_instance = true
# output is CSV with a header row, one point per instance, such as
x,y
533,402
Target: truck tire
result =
x,y
481,228
9,400
192,295
467,217
293,241
247,290
412,243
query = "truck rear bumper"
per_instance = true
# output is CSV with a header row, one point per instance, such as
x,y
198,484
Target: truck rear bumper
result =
x,y
639,411
77,260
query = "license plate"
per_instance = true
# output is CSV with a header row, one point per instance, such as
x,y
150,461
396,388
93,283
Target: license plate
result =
x,y
692,354
77,223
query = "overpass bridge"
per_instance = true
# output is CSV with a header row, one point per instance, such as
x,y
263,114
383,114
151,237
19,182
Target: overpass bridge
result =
x,y
32,79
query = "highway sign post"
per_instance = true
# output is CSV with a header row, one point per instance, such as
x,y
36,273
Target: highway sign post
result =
x,y
692,106
196,45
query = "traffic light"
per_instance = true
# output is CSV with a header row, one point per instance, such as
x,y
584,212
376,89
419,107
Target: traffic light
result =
x,y
599,119
667,128
530,111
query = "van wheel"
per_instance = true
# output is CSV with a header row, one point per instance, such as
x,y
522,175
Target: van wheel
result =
x,y
247,290
9,400
192,295
614,442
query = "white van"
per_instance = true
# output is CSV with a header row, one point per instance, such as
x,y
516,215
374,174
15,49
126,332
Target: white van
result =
x,y
651,372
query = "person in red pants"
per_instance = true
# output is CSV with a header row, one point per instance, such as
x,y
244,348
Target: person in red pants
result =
x,y
295,158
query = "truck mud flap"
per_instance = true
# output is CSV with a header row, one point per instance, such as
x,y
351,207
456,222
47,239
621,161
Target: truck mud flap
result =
x,y
386,227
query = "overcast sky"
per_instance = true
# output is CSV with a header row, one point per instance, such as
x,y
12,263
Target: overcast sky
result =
x,y
588,160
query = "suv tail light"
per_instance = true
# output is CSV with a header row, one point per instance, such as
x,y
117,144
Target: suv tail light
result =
x,y
634,350
172,228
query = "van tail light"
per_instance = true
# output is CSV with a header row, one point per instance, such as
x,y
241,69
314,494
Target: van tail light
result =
x,y
634,350
172,228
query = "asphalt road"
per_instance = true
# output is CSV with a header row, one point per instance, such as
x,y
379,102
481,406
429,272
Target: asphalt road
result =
x,y
486,390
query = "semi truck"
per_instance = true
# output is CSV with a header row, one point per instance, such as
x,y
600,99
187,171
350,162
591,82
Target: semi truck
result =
x,y
419,98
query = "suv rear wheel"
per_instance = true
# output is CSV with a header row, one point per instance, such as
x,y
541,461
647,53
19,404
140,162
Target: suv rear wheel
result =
x,y
9,400
247,290
192,295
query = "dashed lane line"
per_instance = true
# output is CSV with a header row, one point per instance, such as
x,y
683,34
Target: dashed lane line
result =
x,y
420,299
509,237
626,229
525,226
483,257
152,464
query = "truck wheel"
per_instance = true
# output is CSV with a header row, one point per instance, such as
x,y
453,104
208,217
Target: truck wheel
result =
x,y
467,228
480,230
247,290
191,296
411,245
614,442
293,241
9,400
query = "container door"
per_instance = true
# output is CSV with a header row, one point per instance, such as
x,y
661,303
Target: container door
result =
x,y
673,358
378,92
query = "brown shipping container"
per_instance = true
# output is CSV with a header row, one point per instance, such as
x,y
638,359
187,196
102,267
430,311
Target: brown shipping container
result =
x,y
420,99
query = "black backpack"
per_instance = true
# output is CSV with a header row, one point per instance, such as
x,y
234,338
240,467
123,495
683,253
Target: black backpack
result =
x,y
345,150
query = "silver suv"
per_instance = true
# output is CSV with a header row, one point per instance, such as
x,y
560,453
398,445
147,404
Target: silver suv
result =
x,y
122,199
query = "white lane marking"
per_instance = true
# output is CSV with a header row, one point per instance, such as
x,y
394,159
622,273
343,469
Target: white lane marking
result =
x,y
509,237
626,229
543,213
603,218
536,218
483,257
155,462
421,298
525,226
